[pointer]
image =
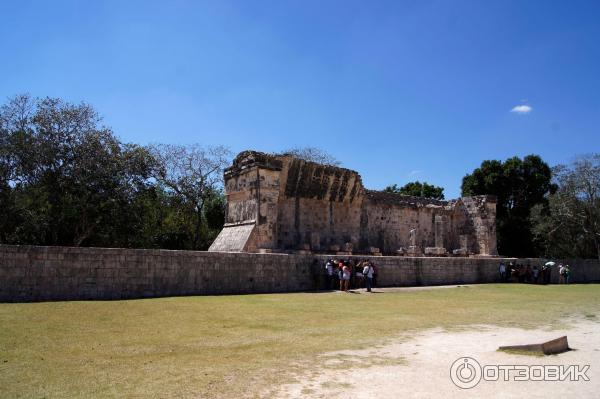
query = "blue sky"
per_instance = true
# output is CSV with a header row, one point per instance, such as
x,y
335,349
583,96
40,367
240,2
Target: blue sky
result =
x,y
397,90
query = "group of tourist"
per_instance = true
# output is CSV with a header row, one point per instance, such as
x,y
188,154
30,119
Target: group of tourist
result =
x,y
347,274
564,274
517,272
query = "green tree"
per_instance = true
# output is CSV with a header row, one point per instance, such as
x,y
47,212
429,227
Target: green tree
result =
x,y
70,180
66,179
215,210
519,185
193,173
417,189
570,225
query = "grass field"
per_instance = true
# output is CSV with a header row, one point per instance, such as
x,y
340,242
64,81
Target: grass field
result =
x,y
236,345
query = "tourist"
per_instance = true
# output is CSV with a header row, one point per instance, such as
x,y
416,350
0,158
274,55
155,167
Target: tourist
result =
x,y
368,276
511,272
561,274
502,270
535,273
328,274
546,274
352,282
359,267
567,274
364,263
340,273
345,278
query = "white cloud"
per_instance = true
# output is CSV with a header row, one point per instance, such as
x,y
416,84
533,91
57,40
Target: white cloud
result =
x,y
415,172
521,109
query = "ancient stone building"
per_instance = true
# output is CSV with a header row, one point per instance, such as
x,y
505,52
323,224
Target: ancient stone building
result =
x,y
278,203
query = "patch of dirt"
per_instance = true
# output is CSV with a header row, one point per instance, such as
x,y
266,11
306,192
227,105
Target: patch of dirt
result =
x,y
419,366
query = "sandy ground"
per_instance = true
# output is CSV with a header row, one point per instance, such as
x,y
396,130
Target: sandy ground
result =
x,y
419,366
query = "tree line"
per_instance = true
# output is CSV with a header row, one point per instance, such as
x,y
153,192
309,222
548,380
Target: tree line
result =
x,y
552,212
66,179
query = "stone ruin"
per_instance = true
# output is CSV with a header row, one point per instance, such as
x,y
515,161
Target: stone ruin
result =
x,y
279,203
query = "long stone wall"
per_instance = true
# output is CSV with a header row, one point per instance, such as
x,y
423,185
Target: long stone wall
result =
x,y
414,271
29,273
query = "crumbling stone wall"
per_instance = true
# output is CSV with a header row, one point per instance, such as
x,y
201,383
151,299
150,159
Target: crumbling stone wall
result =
x,y
319,206
481,211
390,217
293,204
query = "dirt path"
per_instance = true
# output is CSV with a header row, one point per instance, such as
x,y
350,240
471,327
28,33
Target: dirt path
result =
x,y
419,366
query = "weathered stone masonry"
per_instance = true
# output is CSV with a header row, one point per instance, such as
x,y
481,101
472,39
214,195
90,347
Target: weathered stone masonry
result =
x,y
30,273
59,273
278,203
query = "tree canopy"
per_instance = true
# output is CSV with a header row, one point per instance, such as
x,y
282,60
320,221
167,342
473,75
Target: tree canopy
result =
x,y
193,174
570,224
66,179
519,185
417,189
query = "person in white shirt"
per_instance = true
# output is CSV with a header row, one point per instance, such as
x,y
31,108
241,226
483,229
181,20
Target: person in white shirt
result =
x,y
345,278
368,274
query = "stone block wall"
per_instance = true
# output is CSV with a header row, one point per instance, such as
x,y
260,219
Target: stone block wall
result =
x,y
388,219
29,273
397,271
